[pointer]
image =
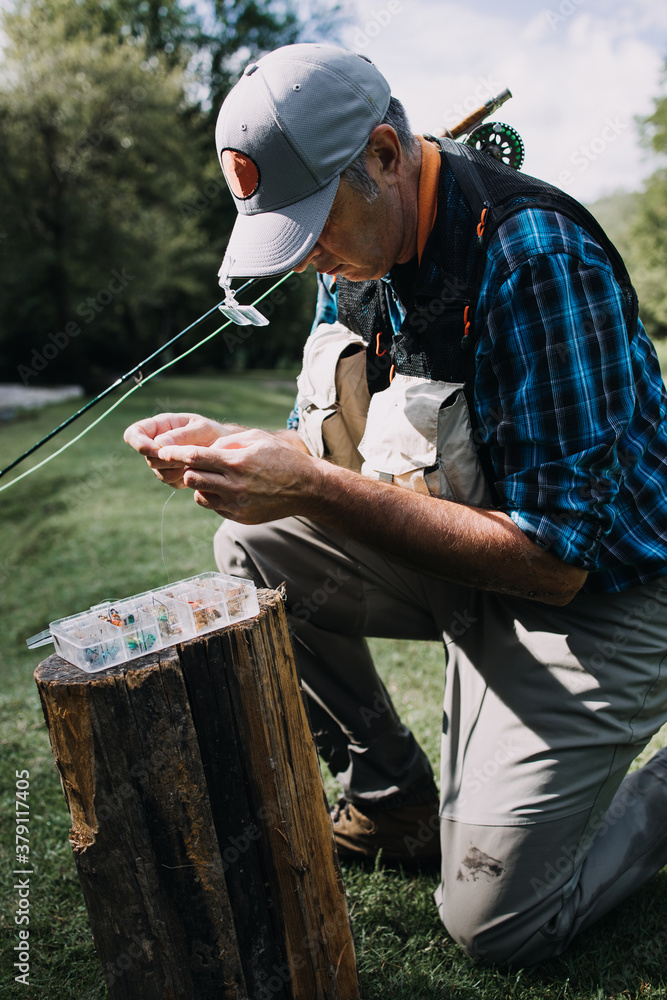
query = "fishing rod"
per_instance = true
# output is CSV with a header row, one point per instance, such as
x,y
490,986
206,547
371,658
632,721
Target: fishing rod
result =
x,y
497,139
120,381
240,314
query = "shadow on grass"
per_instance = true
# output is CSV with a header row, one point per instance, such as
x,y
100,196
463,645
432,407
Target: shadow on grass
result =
x,y
404,952
624,953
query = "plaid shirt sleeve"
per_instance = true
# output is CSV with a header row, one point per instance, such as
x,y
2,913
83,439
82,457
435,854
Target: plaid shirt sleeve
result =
x,y
554,391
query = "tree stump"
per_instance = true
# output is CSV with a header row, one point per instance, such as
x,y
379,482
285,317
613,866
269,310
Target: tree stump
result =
x,y
200,829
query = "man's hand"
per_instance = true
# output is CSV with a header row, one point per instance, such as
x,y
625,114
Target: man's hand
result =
x,y
150,435
250,476
254,476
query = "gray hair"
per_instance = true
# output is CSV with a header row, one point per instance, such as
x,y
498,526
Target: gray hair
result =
x,y
356,173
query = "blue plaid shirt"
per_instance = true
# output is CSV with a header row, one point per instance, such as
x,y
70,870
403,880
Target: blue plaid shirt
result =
x,y
574,414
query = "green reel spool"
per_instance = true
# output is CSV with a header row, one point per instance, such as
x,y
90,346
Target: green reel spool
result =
x,y
500,141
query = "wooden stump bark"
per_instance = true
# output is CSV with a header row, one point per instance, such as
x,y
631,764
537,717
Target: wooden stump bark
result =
x,y
200,829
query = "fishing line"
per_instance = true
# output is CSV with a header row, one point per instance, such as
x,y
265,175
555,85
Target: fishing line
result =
x,y
134,388
117,383
164,507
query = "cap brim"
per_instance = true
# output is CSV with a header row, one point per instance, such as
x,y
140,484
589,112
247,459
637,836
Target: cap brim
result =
x,y
273,242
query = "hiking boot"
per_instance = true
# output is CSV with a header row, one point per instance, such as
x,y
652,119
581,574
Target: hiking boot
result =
x,y
409,834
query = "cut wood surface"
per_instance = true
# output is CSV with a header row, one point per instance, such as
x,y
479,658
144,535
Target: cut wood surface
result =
x,y
200,828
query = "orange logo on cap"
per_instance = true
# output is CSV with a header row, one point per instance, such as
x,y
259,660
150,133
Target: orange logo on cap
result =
x,y
241,173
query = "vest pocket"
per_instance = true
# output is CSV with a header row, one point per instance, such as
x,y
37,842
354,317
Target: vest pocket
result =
x,y
418,435
332,395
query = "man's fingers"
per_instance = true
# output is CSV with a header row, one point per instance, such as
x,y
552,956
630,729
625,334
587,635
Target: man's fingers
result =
x,y
176,483
167,472
142,434
213,482
236,510
199,432
158,465
139,438
206,459
170,475
209,500
192,434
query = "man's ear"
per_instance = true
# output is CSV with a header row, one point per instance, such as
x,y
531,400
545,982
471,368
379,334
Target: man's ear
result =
x,y
384,154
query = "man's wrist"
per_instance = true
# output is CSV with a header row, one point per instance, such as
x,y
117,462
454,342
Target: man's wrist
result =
x,y
331,492
226,430
293,438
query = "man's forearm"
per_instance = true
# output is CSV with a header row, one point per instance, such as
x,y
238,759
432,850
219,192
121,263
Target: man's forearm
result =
x,y
255,476
468,545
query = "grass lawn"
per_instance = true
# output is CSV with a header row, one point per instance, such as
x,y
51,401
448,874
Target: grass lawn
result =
x,y
88,526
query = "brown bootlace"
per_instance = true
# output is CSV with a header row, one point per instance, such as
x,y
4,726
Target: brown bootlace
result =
x,y
342,806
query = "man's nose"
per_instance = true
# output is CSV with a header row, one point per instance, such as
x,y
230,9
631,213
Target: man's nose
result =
x,y
303,264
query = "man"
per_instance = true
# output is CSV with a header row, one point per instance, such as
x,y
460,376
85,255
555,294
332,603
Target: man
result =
x,y
516,511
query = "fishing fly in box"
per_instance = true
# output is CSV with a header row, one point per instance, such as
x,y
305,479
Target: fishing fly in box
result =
x,y
116,631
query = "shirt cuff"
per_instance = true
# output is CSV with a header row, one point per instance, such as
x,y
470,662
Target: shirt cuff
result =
x,y
573,540
293,419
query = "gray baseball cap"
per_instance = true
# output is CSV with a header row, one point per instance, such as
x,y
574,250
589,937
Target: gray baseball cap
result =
x,y
296,118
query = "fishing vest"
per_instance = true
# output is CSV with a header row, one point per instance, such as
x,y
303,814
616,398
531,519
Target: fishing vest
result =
x,y
400,407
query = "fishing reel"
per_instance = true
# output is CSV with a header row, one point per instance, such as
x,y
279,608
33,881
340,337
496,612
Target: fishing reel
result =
x,y
500,141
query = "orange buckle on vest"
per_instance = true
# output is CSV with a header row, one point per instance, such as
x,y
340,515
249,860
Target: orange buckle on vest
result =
x,y
466,321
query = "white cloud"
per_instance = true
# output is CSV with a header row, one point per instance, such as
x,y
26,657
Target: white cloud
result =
x,y
579,70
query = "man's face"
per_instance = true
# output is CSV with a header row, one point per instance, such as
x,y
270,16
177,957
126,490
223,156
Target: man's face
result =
x,y
360,240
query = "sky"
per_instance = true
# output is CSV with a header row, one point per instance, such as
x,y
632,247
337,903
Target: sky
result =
x,y
580,72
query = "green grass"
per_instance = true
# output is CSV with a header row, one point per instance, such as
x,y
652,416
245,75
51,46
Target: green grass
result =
x,y
88,526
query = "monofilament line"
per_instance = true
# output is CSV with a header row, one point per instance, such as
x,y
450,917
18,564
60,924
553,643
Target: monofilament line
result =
x,y
119,381
164,507
134,388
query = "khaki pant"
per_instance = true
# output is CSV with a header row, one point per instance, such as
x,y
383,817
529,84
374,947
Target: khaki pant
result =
x,y
545,709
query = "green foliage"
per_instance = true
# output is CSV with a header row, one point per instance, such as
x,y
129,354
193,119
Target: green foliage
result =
x,y
648,255
616,214
115,213
637,222
654,128
256,26
160,25
97,158
240,30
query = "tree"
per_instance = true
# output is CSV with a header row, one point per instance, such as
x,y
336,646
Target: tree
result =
x,y
98,157
115,212
648,236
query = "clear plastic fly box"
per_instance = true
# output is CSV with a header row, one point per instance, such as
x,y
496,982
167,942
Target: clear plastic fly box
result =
x,y
116,631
